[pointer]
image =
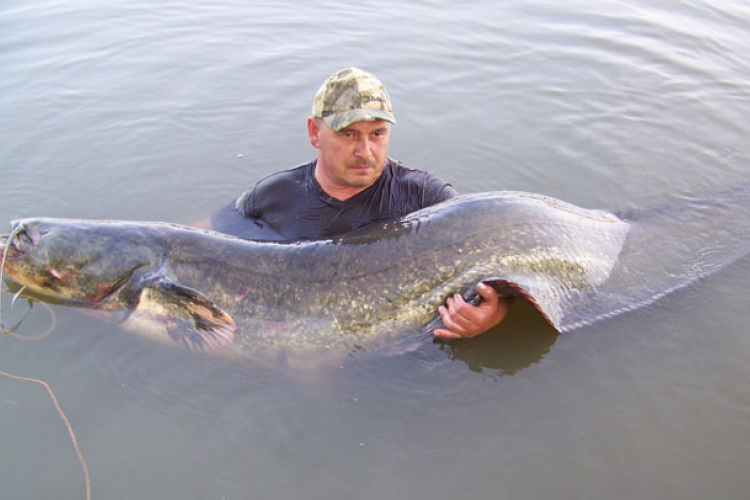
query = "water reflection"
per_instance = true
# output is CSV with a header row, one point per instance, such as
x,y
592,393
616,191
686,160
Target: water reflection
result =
x,y
137,110
520,341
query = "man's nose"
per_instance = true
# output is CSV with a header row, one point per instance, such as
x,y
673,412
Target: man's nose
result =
x,y
363,147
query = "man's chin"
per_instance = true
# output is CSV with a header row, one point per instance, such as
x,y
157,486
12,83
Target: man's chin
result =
x,y
363,178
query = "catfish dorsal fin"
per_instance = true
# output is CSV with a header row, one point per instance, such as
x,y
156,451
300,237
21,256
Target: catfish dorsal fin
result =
x,y
190,318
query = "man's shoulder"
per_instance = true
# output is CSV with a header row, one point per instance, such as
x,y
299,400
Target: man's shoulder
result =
x,y
272,188
402,172
431,188
398,167
296,174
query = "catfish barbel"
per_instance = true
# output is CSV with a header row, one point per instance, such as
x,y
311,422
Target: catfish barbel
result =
x,y
376,287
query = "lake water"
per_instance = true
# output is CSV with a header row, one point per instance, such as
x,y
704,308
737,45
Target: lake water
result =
x,y
166,110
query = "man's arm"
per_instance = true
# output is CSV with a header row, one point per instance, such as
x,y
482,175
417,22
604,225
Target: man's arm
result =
x,y
229,220
462,320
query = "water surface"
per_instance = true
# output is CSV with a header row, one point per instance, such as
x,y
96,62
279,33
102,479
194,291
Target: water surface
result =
x,y
167,110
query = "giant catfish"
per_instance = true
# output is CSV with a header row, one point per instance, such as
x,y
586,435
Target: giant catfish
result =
x,y
379,287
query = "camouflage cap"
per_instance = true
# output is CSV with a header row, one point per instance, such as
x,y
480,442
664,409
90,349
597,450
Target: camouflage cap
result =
x,y
351,95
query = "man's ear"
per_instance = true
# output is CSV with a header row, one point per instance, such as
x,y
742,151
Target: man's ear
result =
x,y
313,131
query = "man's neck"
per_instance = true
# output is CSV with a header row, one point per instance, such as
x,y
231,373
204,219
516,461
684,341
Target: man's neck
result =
x,y
341,194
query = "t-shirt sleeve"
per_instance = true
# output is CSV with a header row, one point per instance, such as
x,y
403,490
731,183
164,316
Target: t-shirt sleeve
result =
x,y
231,220
261,212
445,192
244,204
435,190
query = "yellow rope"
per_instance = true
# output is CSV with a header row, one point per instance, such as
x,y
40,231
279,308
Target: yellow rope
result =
x,y
65,421
51,395
34,337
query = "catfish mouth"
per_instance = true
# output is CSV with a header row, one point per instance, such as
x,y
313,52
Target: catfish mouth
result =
x,y
48,284
11,247
19,242
15,245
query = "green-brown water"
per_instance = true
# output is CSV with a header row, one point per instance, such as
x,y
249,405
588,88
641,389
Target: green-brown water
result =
x,y
167,110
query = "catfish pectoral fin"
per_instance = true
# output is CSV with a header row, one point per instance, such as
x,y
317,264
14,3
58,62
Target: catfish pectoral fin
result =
x,y
191,319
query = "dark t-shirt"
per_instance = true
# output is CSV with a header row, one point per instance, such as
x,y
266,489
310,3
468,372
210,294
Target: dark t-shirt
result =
x,y
291,205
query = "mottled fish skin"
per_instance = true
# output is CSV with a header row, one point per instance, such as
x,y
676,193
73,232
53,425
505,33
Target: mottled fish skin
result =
x,y
363,290
381,286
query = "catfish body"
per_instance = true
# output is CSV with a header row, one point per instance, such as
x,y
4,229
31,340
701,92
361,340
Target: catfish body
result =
x,y
364,290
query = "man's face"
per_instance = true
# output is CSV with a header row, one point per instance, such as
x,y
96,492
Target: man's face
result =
x,y
353,158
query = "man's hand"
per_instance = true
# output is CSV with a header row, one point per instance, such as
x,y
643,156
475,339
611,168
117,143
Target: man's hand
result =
x,y
463,320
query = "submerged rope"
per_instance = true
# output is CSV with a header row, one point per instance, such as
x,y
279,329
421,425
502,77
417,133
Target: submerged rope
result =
x,y
47,387
11,331
65,421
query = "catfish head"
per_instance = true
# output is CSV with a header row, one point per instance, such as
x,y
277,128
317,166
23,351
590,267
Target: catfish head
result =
x,y
85,263
110,266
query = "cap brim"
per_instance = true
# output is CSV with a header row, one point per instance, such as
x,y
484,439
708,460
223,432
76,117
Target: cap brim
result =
x,y
339,121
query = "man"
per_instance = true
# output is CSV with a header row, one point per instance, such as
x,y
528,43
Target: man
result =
x,y
351,184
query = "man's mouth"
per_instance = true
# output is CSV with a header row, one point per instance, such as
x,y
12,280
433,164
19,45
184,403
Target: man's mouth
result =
x,y
363,166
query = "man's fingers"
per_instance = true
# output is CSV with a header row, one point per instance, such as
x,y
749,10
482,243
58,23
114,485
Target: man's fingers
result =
x,y
463,320
451,320
487,292
462,314
446,334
